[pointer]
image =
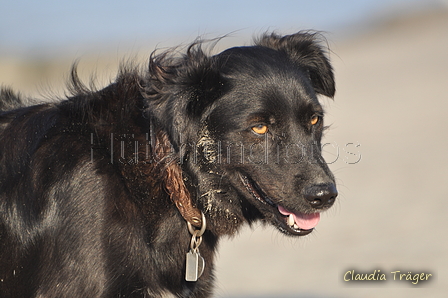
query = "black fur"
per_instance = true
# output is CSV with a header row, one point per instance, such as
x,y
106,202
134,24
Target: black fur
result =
x,y
84,209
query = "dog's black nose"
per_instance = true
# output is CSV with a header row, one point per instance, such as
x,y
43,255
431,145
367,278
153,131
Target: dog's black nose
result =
x,y
321,195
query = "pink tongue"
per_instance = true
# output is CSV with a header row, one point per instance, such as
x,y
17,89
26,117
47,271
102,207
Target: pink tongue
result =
x,y
304,221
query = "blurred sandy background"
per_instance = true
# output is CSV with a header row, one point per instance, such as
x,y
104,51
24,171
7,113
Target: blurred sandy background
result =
x,y
388,147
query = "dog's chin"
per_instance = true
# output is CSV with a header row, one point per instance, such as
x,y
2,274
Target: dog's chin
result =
x,y
290,223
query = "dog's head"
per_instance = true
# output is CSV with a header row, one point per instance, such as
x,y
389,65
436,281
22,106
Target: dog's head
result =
x,y
247,127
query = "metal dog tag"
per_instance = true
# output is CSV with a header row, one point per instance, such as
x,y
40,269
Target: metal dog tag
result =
x,y
195,266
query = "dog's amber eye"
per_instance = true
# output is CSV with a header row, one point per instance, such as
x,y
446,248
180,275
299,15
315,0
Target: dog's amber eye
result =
x,y
314,120
260,129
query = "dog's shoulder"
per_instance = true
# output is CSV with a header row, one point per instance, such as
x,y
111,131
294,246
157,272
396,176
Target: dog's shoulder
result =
x,y
9,100
63,128
119,102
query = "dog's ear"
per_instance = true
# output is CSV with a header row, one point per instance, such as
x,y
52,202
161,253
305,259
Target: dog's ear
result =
x,y
193,76
203,80
304,49
179,88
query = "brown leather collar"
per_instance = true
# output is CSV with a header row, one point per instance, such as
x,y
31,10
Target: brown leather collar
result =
x,y
180,195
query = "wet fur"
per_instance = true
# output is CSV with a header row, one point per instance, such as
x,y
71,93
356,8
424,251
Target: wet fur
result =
x,y
87,184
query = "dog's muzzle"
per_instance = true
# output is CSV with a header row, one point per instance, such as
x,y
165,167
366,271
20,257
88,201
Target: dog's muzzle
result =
x,y
321,196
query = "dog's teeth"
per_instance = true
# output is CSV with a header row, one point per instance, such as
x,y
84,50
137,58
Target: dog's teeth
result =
x,y
296,227
291,221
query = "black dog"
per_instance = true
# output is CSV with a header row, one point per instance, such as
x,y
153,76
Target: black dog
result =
x,y
105,193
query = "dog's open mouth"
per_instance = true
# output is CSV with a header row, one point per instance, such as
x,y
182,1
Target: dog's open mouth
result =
x,y
299,224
